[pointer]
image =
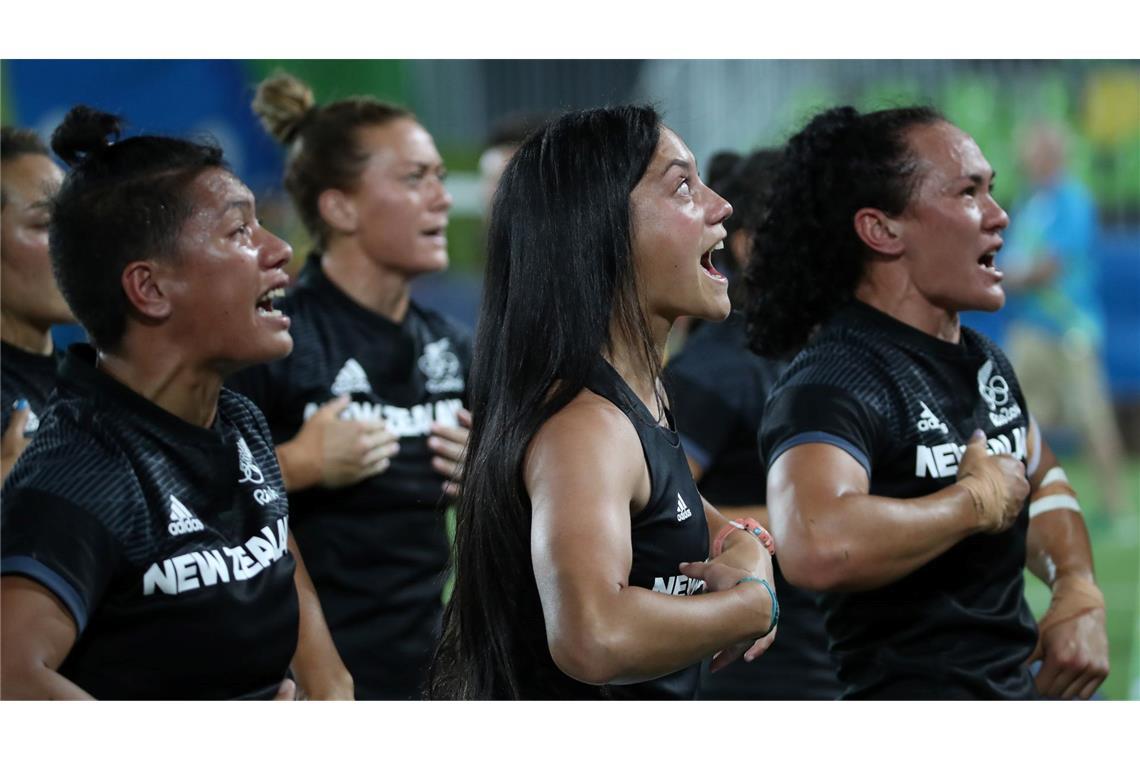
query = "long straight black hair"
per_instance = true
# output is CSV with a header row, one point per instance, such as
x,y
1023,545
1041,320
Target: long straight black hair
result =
x,y
560,274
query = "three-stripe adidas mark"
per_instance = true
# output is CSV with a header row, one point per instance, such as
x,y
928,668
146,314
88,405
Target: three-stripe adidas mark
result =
x,y
351,379
182,520
683,511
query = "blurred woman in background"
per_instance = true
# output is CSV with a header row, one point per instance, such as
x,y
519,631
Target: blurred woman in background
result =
x,y
368,411
30,303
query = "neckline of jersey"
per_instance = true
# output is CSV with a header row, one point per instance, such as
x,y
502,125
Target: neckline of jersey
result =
x,y
900,332
634,403
78,370
313,277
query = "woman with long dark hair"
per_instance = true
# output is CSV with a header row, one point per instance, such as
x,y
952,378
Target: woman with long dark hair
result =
x,y
368,411
145,540
581,538
900,451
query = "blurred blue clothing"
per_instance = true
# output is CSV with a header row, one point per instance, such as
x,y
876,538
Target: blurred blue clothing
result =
x,y
1058,220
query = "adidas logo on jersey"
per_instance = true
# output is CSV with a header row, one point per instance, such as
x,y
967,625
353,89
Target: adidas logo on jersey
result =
x,y
683,511
351,379
182,520
928,420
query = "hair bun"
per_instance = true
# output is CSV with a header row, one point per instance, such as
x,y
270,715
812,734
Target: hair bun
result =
x,y
282,102
84,131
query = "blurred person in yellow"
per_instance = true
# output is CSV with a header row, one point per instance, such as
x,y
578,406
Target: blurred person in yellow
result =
x,y
1057,326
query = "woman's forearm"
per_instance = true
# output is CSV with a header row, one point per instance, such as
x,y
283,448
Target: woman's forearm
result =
x,y
637,634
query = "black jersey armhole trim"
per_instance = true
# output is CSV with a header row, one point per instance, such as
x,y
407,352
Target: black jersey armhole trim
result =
x,y
32,568
818,436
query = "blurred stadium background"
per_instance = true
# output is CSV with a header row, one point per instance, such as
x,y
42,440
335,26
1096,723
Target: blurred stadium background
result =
x,y
714,105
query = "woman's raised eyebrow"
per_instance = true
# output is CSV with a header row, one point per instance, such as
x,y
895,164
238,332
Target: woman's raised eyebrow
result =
x,y
684,164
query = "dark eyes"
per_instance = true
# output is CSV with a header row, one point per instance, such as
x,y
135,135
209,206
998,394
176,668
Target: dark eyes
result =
x,y
972,190
416,177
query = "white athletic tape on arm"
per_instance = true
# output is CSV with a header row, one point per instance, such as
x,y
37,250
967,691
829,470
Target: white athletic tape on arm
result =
x,y
1056,501
1054,475
1035,447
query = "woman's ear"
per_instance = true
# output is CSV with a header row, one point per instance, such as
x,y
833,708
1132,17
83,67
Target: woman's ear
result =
x,y
143,286
338,210
879,232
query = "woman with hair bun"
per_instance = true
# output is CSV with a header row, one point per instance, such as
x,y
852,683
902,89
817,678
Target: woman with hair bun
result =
x,y
581,540
145,538
368,411
900,452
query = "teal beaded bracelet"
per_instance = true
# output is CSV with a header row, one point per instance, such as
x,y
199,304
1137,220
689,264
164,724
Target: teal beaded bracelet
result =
x,y
771,593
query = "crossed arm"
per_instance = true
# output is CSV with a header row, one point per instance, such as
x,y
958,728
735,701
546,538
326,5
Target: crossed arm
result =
x,y
586,477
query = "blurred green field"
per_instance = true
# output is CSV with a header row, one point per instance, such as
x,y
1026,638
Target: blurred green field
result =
x,y
1116,554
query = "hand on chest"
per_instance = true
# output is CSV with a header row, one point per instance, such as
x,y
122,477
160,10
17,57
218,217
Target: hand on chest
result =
x,y
408,392
935,419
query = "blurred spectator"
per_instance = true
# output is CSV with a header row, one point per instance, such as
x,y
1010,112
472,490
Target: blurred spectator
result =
x,y
505,137
1057,328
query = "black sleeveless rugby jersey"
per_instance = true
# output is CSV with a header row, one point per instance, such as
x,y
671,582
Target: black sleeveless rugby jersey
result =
x,y
670,529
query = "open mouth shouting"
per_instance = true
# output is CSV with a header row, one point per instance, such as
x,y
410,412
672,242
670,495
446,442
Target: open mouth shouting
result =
x,y
266,309
707,263
435,234
986,262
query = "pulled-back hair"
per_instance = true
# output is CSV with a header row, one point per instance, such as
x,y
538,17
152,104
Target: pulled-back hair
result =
x,y
808,258
16,142
122,201
324,150
560,274
744,181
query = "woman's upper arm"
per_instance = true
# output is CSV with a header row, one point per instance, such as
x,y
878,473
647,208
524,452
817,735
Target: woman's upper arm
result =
x,y
804,486
37,632
583,471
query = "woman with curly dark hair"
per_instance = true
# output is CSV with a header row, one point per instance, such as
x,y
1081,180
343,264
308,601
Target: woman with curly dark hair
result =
x,y
899,448
581,539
